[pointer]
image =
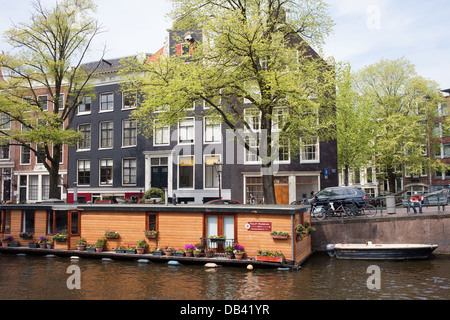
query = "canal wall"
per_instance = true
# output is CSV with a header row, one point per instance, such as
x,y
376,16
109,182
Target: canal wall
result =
x,y
418,228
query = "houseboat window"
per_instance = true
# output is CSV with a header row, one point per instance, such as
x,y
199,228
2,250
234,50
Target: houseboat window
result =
x,y
152,222
75,222
219,225
28,221
5,223
57,222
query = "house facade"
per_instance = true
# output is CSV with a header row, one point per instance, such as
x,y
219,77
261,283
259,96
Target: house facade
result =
x,y
181,158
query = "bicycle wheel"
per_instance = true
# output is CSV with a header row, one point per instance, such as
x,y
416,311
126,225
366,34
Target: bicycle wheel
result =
x,y
370,211
319,213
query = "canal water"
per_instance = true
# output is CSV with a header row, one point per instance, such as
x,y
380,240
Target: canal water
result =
x,y
320,278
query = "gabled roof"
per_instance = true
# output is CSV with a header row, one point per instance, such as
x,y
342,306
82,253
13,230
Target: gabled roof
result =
x,y
154,57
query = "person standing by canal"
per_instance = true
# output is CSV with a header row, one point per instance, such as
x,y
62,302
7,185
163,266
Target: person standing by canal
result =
x,y
416,200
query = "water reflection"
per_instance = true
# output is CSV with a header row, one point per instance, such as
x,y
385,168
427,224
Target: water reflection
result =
x,y
321,278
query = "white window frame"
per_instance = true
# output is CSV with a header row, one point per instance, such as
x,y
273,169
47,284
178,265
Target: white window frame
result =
x,y
84,103
100,110
135,171
193,172
100,146
90,137
216,130
100,172
317,150
160,132
204,170
185,130
130,130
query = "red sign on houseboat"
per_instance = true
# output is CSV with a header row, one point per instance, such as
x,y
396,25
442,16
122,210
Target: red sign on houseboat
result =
x,y
258,226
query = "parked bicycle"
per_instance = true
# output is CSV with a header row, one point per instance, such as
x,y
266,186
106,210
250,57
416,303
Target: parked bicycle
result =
x,y
319,212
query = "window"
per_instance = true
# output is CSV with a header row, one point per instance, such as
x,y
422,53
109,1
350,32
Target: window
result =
x,y
74,223
283,149
309,150
129,133
212,130
45,187
5,122
305,185
84,172
279,115
28,221
152,222
61,101
129,100
57,222
161,135
129,171
4,150
254,190
186,172
186,131
85,141
251,155
211,176
253,118
106,134
33,187
106,102
41,153
85,106
5,221
43,102
106,171
185,49
25,155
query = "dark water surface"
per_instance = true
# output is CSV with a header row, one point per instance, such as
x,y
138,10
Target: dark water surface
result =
x,y
322,277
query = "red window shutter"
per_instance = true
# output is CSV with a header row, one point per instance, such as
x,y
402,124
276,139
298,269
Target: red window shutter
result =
x,y
179,50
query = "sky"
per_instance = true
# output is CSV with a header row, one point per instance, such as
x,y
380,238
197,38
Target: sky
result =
x,y
365,31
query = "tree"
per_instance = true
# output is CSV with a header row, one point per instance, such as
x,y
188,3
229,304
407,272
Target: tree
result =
x,y
251,56
354,123
405,106
47,60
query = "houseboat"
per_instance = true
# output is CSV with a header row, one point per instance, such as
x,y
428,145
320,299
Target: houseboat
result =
x,y
219,229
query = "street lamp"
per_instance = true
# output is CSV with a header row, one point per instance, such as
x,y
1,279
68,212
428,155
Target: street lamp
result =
x,y
219,166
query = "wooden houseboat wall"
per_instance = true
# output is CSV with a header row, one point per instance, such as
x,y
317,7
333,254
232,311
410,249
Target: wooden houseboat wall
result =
x,y
176,225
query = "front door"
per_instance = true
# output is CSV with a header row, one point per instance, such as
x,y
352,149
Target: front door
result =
x,y
220,225
159,177
281,190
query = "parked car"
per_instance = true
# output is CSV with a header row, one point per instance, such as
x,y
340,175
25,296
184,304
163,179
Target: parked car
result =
x,y
222,201
346,195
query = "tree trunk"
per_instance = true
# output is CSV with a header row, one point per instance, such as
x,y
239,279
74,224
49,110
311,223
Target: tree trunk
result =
x,y
268,185
54,192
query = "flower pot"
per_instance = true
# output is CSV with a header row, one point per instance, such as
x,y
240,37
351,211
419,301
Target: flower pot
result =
x,y
42,245
33,245
81,248
197,253
90,249
98,249
189,253
178,254
120,251
239,256
140,250
151,236
157,253
131,251
270,259
279,237
209,254
229,255
112,237
49,245
5,244
168,253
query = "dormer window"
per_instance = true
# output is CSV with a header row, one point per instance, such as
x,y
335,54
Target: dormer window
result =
x,y
185,49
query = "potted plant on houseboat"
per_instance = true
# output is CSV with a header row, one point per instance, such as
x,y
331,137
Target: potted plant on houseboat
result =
x,y
100,244
302,231
198,250
229,252
81,244
130,249
60,237
6,240
189,250
209,252
215,238
156,251
168,251
49,244
238,252
42,242
141,245
119,249
90,247
270,256
109,234
33,244
151,234
178,252
279,235
26,235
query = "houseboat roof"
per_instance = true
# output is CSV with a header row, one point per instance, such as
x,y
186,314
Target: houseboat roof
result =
x,y
203,208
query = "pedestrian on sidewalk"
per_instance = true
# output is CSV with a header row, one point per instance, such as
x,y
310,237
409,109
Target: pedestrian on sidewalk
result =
x,y
416,200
